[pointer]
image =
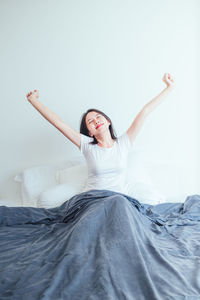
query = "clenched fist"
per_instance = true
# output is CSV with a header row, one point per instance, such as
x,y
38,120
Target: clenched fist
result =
x,y
31,96
167,78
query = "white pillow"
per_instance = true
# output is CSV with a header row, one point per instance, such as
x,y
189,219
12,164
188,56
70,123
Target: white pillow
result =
x,y
39,185
9,202
34,181
173,179
75,174
145,193
139,183
136,170
72,181
57,195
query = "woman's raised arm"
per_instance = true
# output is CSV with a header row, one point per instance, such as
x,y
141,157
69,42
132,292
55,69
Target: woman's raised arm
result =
x,y
54,119
169,81
138,122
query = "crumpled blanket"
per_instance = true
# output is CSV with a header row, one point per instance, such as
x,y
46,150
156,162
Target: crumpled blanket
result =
x,y
101,245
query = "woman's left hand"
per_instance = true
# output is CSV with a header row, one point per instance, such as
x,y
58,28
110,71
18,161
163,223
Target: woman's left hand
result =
x,y
167,78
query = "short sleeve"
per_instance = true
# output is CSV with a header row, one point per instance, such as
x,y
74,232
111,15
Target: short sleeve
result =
x,y
125,142
85,140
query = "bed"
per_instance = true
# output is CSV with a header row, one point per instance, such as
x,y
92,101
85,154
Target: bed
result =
x,y
98,244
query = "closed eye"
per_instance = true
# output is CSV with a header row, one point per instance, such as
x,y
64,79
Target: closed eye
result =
x,y
92,120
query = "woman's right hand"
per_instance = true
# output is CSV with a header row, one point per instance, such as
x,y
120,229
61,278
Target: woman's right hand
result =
x,y
31,96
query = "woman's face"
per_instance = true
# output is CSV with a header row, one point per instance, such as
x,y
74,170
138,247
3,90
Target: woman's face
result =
x,y
93,119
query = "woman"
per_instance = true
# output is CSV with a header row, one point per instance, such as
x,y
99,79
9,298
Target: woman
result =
x,y
101,244
106,155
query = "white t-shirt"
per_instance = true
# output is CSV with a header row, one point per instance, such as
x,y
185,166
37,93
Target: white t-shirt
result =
x,y
106,166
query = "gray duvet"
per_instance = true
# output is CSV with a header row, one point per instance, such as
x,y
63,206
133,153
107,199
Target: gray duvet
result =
x,y
101,245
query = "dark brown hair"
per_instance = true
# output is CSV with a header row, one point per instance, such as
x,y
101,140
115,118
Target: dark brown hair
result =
x,y
84,129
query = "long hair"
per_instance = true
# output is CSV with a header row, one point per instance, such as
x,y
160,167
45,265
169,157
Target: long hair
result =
x,y
84,130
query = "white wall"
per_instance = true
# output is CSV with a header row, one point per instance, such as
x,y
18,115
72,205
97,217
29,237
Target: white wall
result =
x,y
106,54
